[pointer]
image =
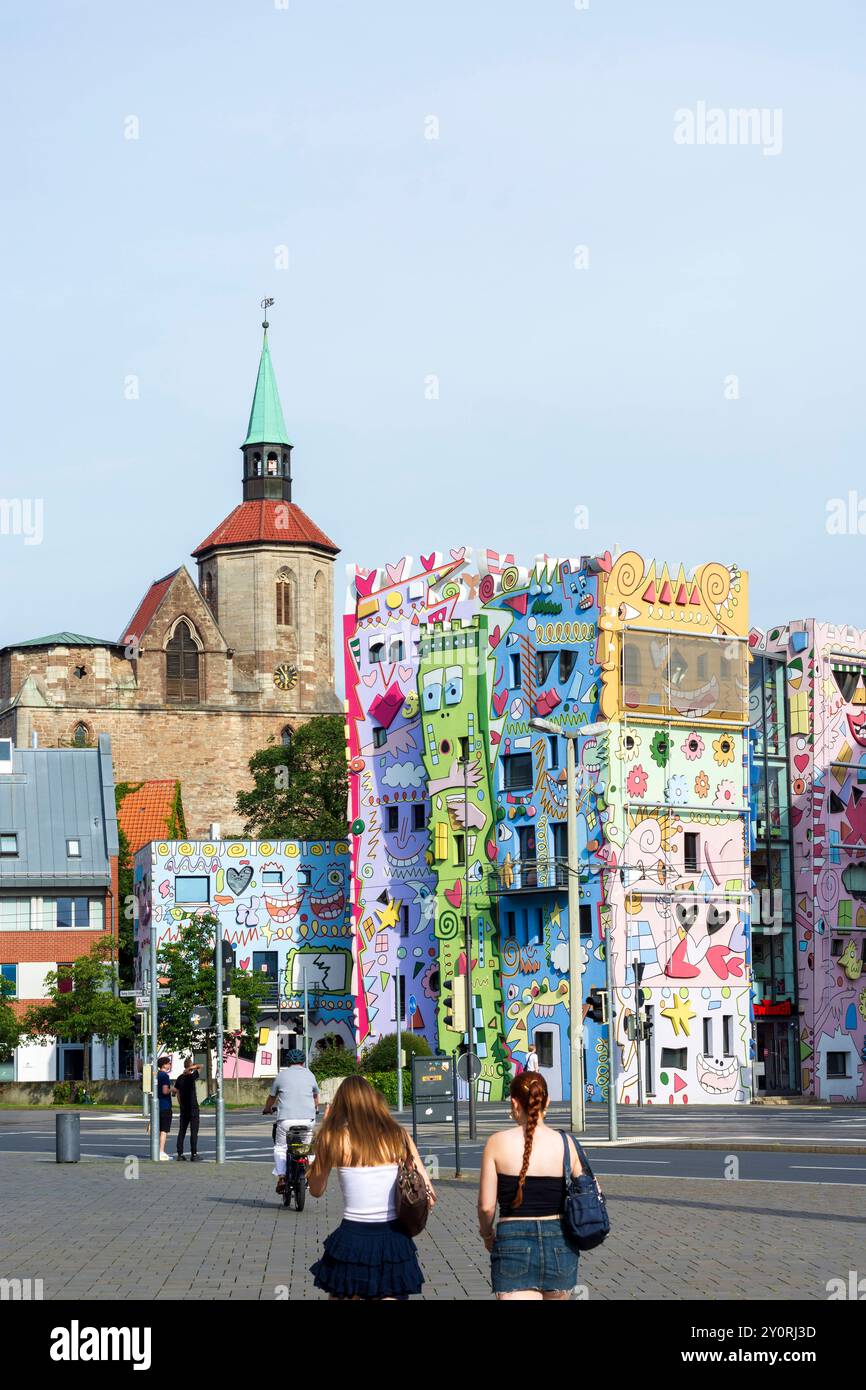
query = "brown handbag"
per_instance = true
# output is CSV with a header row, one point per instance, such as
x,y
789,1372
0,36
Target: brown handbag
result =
x,y
413,1204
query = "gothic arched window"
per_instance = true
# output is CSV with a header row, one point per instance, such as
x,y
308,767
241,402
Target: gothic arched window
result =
x,y
181,667
80,736
319,608
286,736
285,598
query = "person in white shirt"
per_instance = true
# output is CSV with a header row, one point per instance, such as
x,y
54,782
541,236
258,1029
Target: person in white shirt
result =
x,y
368,1256
532,1058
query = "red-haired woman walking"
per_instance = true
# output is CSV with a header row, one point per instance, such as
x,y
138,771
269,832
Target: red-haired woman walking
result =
x,y
523,1170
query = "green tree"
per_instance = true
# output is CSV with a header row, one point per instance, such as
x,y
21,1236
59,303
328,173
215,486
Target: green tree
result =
x,y
10,1025
187,967
382,1055
88,1010
301,790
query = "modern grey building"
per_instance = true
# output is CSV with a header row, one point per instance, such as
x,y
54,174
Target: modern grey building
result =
x,y
58,884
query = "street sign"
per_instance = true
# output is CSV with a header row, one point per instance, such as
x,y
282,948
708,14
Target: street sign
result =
x,y
431,1076
129,994
201,1018
142,1001
468,1066
413,1005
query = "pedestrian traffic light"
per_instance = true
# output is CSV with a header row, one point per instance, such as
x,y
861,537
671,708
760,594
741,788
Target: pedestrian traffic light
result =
x,y
246,1016
597,1001
233,1013
454,1004
642,998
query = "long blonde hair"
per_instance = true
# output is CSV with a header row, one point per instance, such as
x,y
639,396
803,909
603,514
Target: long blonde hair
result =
x,y
359,1121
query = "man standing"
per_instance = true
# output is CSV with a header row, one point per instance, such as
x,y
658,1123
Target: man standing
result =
x,y
187,1099
298,1104
163,1091
532,1058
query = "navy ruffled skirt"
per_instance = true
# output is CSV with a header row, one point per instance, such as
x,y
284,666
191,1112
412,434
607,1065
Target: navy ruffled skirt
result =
x,y
368,1259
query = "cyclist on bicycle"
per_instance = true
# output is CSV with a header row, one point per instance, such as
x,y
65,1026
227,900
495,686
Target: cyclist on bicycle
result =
x,y
296,1098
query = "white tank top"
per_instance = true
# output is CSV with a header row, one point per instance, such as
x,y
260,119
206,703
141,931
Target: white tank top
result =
x,y
369,1194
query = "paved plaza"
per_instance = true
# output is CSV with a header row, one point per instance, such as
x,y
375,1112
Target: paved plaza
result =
x,y
176,1231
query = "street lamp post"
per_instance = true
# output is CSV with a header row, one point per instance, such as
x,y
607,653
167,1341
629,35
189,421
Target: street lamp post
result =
x,y
575,958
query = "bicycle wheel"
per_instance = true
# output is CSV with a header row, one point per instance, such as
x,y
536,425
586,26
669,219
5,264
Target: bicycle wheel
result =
x,y
287,1192
300,1193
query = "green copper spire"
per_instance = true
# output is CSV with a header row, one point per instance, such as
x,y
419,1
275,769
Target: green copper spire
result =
x,y
266,417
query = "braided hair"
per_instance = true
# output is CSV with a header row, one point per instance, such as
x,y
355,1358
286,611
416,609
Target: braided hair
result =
x,y
529,1089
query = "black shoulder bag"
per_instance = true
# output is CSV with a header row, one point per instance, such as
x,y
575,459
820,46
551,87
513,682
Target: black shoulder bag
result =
x,y
585,1220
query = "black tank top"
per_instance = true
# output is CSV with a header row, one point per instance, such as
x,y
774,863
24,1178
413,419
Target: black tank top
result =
x,y
541,1196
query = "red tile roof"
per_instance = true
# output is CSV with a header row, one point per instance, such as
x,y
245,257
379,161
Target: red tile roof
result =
x,y
267,520
140,619
144,814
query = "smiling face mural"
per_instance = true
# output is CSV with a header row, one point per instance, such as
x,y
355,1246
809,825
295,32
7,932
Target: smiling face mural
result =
x,y
283,906
451,658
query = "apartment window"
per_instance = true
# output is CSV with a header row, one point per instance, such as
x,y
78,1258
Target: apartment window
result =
x,y
728,1035
837,1064
191,888
567,663
538,926
690,852
517,772
8,845
5,750
14,914
708,1037
854,880
182,667
543,1039
441,840
73,849
553,744
585,920
459,849
380,737
9,973
509,924
419,817
305,878
272,876
393,817
544,662
397,649
515,672
64,976
836,947
377,650
674,1057
404,919
73,914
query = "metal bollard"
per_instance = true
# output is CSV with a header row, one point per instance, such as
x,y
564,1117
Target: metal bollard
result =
x,y
68,1137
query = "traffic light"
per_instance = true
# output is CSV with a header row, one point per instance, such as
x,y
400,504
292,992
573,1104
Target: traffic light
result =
x,y
228,951
233,1013
246,1016
642,998
454,1004
597,1001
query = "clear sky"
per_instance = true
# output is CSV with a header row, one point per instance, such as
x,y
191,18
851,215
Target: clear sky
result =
x,y
304,127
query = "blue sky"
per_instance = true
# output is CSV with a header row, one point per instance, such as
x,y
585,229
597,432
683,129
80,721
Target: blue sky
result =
x,y
559,388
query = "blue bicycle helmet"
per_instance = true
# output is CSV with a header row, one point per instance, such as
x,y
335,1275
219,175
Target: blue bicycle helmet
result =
x,y
295,1058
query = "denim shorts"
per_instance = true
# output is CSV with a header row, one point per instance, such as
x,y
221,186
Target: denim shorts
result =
x,y
532,1255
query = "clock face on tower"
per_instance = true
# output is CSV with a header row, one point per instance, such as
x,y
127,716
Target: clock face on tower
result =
x,y
285,676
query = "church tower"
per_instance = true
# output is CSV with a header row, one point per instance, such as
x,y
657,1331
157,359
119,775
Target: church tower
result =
x,y
267,573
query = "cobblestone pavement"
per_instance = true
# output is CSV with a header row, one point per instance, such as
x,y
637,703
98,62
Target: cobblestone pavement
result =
x,y
184,1231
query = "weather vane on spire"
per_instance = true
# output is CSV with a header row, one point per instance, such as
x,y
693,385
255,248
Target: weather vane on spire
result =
x,y
266,304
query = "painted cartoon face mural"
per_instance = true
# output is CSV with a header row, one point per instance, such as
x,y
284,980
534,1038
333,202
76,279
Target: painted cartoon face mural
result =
x,y
284,907
825,689
447,662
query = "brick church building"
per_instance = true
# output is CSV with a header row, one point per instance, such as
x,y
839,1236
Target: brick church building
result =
x,y
208,669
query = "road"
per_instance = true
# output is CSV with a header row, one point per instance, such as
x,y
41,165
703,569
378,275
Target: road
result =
x,y
651,1147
